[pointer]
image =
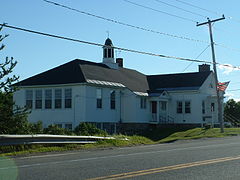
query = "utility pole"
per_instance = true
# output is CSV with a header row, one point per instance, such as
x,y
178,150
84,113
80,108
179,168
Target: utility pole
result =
x,y
209,23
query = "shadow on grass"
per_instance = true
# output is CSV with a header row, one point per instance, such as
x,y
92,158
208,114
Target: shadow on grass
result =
x,y
158,133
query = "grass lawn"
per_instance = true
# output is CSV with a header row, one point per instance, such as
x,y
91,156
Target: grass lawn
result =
x,y
152,137
198,133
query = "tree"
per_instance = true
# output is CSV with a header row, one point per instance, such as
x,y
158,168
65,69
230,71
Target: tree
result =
x,y
13,119
232,112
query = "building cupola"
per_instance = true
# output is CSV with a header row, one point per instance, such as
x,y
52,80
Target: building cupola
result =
x,y
108,51
108,54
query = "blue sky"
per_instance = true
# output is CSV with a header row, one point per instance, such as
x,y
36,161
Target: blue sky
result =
x,y
36,53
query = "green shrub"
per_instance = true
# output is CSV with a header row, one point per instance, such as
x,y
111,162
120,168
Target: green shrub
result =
x,y
207,126
35,128
54,129
88,129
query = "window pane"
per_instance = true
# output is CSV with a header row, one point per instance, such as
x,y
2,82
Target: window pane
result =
x,y
143,103
99,93
109,53
99,103
112,52
68,98
187,107
212,107
48,98
163,105
203,107
99,98
179,107
38,100
112,99
58,98
29,98
105,53
68,126
59,125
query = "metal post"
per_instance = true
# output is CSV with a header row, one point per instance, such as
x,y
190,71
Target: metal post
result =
x,y
209,22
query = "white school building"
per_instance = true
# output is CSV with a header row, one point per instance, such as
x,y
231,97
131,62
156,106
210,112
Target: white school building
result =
x,y
112,96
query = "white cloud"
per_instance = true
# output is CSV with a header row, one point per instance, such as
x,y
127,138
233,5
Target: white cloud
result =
x,y
228,68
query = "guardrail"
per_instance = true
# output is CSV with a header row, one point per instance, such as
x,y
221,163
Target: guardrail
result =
x,y
48,139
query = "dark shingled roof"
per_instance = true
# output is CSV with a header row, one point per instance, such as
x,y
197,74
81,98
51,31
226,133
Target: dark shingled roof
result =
x,y
79,71
179,81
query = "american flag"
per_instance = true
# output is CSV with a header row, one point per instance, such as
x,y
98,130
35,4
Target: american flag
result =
x,y
222,86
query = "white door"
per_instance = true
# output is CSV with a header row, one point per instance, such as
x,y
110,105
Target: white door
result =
x,y
163,111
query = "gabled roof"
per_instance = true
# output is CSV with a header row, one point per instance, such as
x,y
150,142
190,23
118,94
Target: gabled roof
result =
x,y
180,81
79,71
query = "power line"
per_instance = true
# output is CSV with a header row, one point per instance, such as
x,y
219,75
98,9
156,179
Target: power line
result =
x,y
192,5
207,10
163,12
196,58
125,24
138,27
115,47
227,47
185,10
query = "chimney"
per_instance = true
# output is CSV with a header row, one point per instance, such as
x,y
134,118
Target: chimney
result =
x,y
203,67
119,61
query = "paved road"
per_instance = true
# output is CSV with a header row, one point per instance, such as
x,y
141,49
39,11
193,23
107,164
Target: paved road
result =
x,y
195,159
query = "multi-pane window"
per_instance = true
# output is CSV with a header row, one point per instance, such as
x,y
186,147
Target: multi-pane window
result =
x,y
68,98
187,107
29,98
68,126
48,99
203,107
38,99
99,98
179,107
112,99
58,98
143,103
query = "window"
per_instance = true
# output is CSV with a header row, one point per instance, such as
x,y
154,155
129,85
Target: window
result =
x,y
163,105
105,53
99,98
187,107
58,98
109,53
112,99
203,107
143,103
212,107
68,126
38,99
29,99
112,53
179,107
59,125
48,99
68,98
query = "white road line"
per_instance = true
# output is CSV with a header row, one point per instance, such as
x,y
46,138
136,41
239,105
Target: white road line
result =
x,y
117,156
